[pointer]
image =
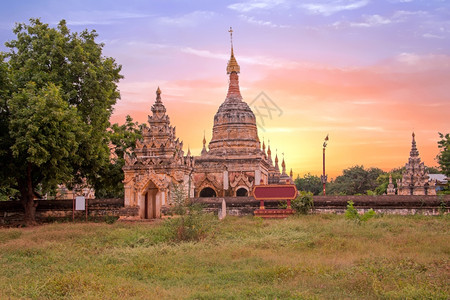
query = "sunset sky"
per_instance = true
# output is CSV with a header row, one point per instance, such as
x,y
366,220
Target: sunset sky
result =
x,y
368,73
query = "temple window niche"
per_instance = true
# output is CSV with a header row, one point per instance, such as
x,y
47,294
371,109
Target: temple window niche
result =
x,y
242,192
208,193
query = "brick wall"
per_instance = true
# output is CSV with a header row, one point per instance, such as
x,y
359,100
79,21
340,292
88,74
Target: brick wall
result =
x,y
12,211
394,204
47,210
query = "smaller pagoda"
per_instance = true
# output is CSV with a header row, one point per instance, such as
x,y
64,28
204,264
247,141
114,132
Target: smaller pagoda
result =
x,y
390,187
415,177
156,165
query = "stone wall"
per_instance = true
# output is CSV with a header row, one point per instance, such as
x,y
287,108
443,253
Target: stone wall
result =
x,y
11,212
392,204
404,205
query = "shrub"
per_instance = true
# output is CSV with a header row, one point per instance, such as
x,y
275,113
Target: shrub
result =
x,y
110,219
303,203
180,201
352,214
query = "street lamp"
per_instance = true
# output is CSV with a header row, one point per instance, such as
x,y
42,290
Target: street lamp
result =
x,y
324,177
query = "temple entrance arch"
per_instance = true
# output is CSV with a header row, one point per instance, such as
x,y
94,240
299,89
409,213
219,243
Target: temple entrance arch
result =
x,y
208,192
150,202
242,192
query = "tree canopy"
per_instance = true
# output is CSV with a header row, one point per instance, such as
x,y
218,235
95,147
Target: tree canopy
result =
x,y
443,157
56,97
309,183
122,138
355,180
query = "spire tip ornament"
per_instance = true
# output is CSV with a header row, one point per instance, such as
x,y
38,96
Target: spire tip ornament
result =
x,y
158,95
232,63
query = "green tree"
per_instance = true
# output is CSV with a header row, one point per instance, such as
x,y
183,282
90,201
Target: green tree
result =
x,y
432,170
55,107
309,183
303,203
355,180
122,139
443,157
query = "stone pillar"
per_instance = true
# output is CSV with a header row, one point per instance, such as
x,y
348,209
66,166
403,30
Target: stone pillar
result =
x,y
158,200
257,177
128,196
225,180
163,198
141,203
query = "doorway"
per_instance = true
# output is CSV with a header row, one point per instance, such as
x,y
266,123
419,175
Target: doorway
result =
x,y
150,202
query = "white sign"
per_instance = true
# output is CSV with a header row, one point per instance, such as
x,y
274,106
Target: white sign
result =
x,y
80,203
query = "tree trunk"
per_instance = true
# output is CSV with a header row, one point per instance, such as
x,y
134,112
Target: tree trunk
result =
x,y
27,199
30,210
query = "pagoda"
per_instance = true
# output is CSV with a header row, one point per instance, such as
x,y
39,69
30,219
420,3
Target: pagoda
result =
x,y
390,188
230,165
234,161
415,177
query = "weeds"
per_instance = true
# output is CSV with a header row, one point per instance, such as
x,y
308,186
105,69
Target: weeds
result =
x,y
303,203
193,225
307,257
352,214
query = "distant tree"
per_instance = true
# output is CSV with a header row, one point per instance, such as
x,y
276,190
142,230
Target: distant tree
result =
x,y
433,170
309,183
443,157
355,180
122,139
57,92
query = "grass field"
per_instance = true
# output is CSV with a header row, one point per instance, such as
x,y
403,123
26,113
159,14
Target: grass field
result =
x,y
306,257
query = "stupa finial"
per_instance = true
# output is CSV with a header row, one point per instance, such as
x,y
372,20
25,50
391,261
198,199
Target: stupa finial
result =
x,y
158,95
414,152
232,63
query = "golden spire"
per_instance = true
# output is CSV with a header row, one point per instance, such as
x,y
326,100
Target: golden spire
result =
x,y
204,151
276,161
291,174
232,63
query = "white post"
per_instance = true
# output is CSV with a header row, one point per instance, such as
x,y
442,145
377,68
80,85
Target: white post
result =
x,y
257,177
223,212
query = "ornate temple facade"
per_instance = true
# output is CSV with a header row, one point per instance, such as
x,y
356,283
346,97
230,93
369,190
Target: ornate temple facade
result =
x,y
158,161
230,166
415,177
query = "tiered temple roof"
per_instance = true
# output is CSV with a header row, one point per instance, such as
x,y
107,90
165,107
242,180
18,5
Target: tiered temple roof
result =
x,y
415,176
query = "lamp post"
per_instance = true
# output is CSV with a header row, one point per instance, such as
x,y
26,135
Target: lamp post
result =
x,y
324,177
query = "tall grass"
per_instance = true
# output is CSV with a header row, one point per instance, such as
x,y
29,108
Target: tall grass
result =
x,y
305,257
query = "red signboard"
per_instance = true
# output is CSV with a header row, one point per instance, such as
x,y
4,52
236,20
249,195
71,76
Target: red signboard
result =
x,y
275,192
